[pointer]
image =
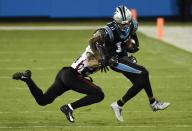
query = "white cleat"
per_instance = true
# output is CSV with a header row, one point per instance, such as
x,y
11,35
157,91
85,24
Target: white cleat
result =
x,y
117,109
159,105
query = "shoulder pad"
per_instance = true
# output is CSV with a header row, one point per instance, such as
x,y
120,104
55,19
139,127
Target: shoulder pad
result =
x,y
110,27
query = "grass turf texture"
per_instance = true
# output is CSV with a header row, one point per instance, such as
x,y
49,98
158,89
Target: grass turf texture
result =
x,y
46,52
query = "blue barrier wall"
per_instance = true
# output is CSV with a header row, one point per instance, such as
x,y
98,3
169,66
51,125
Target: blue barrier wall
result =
x,y
84,8
20,8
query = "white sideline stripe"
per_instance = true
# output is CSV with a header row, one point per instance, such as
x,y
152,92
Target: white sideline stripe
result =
x,y
179,36
170,32
21,60
48,27
34,68
39,52
107,126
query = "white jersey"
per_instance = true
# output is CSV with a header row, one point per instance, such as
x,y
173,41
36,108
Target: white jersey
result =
x,y
81,64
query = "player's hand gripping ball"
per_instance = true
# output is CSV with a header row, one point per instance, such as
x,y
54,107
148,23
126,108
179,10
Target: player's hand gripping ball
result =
x,y
130,43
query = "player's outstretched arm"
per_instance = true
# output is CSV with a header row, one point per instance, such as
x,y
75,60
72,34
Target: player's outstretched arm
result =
x,y
92,42
92,61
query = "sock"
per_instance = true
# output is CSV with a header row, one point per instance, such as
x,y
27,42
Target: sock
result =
x,y
152,100
120,102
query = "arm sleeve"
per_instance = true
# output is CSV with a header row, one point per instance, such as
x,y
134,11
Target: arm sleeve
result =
x,y
96,38
101,46
101,49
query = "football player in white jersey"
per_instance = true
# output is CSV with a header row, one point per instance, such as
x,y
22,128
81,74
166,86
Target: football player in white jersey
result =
x,y
68,78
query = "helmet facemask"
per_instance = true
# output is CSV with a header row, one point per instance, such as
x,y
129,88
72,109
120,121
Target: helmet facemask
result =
x,y
122,17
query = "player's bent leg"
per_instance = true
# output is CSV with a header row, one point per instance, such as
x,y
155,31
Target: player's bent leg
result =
x,y
42,99
154,104
35,91
88,100
78,83
139,76
85,101
136,74
94,93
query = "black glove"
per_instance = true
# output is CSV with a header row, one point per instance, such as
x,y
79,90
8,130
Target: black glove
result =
x,y
103,65
132,59
114,60
133,50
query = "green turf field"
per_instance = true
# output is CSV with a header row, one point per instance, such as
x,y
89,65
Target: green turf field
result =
x,y
46,52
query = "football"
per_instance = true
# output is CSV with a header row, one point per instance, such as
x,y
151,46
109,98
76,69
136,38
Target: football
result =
x,y
130,42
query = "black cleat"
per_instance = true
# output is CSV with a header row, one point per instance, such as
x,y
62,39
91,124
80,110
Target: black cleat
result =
x,y
22,75
68,112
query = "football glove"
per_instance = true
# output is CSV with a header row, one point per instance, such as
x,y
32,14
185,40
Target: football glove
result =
x,y
132,59
103,65
114,60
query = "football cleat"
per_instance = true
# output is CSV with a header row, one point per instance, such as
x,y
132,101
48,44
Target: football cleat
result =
x,y
22,75
159,105
117,109
68,112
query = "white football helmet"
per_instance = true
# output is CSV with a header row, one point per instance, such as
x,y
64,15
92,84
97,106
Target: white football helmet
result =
x,y
122,15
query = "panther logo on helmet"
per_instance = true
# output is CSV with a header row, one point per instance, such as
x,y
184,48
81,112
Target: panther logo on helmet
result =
x,y
122,15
